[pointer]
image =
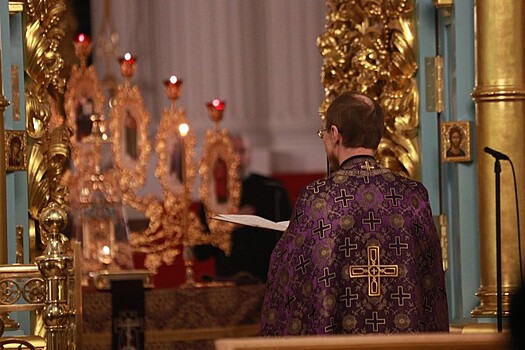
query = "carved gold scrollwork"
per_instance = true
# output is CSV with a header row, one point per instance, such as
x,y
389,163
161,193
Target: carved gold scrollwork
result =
x,y
163,235
131,148
368,46
46,165
49,152
44,63
176,172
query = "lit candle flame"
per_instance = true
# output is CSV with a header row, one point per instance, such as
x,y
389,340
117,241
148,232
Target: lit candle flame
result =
x,y
173,79
183,129
127,56
105,250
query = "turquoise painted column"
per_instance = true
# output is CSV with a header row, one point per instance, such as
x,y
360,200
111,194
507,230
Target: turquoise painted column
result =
x,y
449,33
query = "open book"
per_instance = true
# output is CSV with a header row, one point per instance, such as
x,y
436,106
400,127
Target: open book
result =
x,y
253,220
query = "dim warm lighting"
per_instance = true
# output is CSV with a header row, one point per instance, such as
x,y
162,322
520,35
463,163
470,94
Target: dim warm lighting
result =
x,y
217,104
82,46
81,38
216,110
105,255
183,129
128,58
173,81
173,87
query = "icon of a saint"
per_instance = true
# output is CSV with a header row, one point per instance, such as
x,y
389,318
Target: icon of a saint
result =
x,y
130,136
15,152
176,158
220,176
455,135
84,110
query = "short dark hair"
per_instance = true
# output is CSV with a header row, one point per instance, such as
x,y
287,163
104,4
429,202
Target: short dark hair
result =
x,y
359,119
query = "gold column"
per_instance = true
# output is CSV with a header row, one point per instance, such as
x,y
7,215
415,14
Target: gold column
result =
x,y
499,97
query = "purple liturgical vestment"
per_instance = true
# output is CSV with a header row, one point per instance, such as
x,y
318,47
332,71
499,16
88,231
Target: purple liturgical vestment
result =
x,y
361,255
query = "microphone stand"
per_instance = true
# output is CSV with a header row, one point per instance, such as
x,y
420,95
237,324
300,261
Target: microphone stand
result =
x,y
497,171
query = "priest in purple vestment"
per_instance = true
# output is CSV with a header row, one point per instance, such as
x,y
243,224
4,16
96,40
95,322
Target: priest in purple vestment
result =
x,y
361,253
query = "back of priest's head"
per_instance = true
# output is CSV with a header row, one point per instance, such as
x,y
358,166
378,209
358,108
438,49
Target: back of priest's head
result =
x,y
359,118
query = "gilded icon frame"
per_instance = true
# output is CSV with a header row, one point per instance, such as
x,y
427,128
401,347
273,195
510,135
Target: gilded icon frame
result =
x,y
128,108
218,148
15,162
217,145
462,152
84,91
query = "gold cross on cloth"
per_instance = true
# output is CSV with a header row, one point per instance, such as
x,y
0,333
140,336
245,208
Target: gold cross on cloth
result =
x,y
373,271
367,166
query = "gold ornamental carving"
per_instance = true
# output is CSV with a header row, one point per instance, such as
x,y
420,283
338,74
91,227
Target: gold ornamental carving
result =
x,y
84,97
171,222
19,282
369,47
48,142
129,122
176,168
48,149
219,168
131,149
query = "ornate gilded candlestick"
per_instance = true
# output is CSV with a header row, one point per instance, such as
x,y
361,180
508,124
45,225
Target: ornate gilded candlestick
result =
x,y
82,48
216,110
128,65
173,88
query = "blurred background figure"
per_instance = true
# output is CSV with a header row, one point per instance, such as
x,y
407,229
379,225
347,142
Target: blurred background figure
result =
x,y
251,247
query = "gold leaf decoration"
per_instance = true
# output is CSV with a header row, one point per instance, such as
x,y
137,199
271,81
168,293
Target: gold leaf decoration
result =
x,y
48,145
368,46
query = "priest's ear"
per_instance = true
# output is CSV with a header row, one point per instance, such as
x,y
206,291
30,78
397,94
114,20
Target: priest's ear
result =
x,y
334,134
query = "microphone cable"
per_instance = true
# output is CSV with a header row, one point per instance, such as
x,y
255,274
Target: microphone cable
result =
x,y
517,219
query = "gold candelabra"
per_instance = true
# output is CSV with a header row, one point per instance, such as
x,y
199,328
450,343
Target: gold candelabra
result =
x,y
173,228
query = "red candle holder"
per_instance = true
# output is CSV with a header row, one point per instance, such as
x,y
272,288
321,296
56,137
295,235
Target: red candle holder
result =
x,y
173,87
82,48
216,109
127,65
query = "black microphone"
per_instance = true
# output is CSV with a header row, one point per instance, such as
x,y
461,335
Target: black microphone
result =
x,y
496,154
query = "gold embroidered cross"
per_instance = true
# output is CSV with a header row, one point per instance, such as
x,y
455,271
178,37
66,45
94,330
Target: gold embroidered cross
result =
x,y
367,166
373,271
